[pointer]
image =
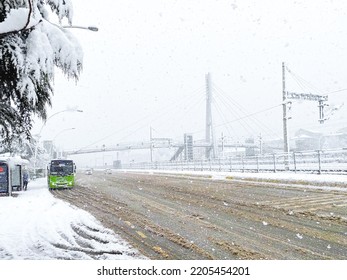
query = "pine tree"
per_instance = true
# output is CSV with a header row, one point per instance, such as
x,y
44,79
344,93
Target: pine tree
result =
x,y
30,48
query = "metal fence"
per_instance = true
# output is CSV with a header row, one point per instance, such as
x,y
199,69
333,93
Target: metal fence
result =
x,y
322,161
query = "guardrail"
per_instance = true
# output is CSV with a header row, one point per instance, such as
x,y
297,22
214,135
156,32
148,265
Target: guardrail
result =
x,y
322,161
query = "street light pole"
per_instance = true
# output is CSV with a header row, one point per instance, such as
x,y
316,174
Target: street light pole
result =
x,y
44,124
66,110
91,28
60,132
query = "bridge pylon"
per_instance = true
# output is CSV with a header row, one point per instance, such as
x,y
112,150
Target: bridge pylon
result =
x,y
211,150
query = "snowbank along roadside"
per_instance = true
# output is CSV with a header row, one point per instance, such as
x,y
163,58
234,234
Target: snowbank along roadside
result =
x,y
35,225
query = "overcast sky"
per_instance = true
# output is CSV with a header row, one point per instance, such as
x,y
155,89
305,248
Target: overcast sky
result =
x,y
147,64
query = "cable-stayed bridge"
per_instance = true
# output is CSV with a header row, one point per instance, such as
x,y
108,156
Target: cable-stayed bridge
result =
x,y
164,143
212,146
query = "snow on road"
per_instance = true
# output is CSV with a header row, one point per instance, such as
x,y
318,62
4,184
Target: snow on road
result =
x,y
337,182
35,225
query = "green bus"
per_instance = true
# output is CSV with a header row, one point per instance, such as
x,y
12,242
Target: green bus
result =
x,y
61,174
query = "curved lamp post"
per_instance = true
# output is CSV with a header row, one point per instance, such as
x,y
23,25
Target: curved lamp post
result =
x,y
44,124
60,132
91,28
66,110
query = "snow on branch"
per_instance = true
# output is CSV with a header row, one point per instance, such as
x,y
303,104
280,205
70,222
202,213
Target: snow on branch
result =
x,y
46,45
63,8
68,53
30,48
18,20
19,17
58,47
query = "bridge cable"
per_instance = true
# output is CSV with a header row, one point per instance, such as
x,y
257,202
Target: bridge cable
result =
x,y
227,99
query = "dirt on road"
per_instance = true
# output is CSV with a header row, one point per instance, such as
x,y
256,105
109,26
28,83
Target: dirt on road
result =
x,y
195,217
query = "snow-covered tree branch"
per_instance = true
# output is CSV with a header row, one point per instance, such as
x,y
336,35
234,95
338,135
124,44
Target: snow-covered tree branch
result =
x,y
30,49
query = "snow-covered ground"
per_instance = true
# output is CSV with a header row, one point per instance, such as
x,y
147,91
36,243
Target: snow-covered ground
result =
x,y
300,180
35,225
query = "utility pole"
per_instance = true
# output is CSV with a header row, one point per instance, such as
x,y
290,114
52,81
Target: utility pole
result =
x,y
222,138
298,96
209,124
151,142
285,112
312,97
260,144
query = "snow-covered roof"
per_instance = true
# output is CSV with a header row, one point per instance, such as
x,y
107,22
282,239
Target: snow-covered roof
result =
x,y
14,160
307,133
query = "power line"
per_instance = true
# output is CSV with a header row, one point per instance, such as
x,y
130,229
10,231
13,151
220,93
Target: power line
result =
x,y
166,110
227,98
234,132
244,117
192,101
253,114
243,123
336,91
302,82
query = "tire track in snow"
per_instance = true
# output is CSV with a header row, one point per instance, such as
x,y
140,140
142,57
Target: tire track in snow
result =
x,y
180,218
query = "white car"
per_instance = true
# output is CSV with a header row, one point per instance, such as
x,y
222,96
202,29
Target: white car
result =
x,y
108,171
89,172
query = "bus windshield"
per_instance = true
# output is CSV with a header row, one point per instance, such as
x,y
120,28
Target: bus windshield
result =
x,y
62,167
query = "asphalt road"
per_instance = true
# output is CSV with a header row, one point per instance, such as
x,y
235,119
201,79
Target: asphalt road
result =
x,y
195,217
